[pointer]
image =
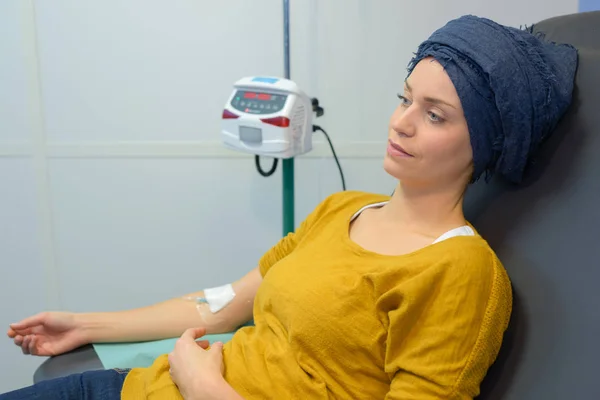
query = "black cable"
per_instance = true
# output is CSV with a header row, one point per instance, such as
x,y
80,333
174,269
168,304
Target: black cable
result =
x,y
260,170
318,128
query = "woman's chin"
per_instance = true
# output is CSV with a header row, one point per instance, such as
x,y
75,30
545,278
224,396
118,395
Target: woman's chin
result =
x,y
402,174
393,169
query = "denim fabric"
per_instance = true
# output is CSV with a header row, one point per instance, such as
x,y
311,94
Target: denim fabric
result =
x,y
96,385
514,87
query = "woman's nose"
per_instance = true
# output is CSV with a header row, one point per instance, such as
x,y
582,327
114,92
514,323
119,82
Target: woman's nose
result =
x,y
403,121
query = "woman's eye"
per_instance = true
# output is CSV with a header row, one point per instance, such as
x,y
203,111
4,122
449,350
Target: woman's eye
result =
x,y
434,117
403,100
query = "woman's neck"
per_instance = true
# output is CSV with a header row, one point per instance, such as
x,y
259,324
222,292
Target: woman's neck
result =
x,y
424,211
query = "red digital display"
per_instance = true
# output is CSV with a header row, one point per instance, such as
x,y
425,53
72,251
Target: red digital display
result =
x,y
259,96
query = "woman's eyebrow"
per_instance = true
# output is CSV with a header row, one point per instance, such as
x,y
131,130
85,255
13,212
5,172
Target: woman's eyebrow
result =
x,y
438,102
431,100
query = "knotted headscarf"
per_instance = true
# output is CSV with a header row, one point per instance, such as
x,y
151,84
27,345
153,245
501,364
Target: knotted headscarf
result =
x,y
514,88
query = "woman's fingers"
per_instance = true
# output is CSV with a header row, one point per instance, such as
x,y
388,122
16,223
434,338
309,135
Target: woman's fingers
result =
x,y
203,343
18,340
29,322
217,347
25,345
22,332
32,345
194,333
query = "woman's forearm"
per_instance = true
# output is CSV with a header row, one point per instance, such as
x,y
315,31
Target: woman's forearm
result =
x,y
171,318
159,321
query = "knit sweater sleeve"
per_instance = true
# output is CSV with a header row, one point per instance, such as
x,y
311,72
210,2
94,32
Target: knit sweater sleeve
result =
x,y
446,326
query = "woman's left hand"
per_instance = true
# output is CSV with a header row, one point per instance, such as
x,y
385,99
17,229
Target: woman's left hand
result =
x,y
197,372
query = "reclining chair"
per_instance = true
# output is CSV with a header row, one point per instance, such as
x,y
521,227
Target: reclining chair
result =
x,y
545,232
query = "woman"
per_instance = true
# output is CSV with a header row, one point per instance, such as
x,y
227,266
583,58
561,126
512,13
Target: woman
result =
x,y
373,296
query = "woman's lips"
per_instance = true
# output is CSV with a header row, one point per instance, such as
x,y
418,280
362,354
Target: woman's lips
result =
x,y
397,150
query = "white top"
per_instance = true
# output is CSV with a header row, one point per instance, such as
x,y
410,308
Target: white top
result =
x,y
464,230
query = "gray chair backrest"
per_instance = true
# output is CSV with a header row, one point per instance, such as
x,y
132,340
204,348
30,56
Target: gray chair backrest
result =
x,y
547,234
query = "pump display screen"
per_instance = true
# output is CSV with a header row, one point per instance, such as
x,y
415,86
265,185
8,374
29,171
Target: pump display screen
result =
x,y
253,102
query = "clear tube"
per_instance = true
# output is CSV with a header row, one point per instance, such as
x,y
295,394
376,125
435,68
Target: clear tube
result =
x,y
201,306
198,300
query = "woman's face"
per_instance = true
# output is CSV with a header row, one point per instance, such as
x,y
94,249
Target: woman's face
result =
x,y
428,140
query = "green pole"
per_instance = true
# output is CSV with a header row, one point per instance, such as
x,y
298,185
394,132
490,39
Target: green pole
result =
x,y
288,196
288,164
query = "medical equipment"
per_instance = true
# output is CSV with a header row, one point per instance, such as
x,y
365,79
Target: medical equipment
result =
x,y
268,116
216,298
196,299
271,116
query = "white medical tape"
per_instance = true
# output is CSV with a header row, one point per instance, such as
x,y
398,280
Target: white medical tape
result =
x,y
219,297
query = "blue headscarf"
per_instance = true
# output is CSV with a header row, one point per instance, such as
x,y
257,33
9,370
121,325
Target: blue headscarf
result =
x,y
513,86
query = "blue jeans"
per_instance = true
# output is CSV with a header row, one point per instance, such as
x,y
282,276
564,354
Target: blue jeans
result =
x,y
92,385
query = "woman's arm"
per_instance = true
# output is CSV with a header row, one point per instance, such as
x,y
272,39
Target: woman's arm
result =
x,y
171,318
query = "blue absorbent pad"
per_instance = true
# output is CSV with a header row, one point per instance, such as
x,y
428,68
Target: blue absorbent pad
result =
x,y
143,354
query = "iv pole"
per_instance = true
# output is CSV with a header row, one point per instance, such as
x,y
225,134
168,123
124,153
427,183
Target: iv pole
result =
x,y
288,163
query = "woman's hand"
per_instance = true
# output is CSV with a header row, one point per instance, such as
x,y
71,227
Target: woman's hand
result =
x,y
196,369
47,334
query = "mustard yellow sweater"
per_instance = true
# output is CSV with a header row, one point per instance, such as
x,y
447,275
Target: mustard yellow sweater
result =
x,y
333,320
